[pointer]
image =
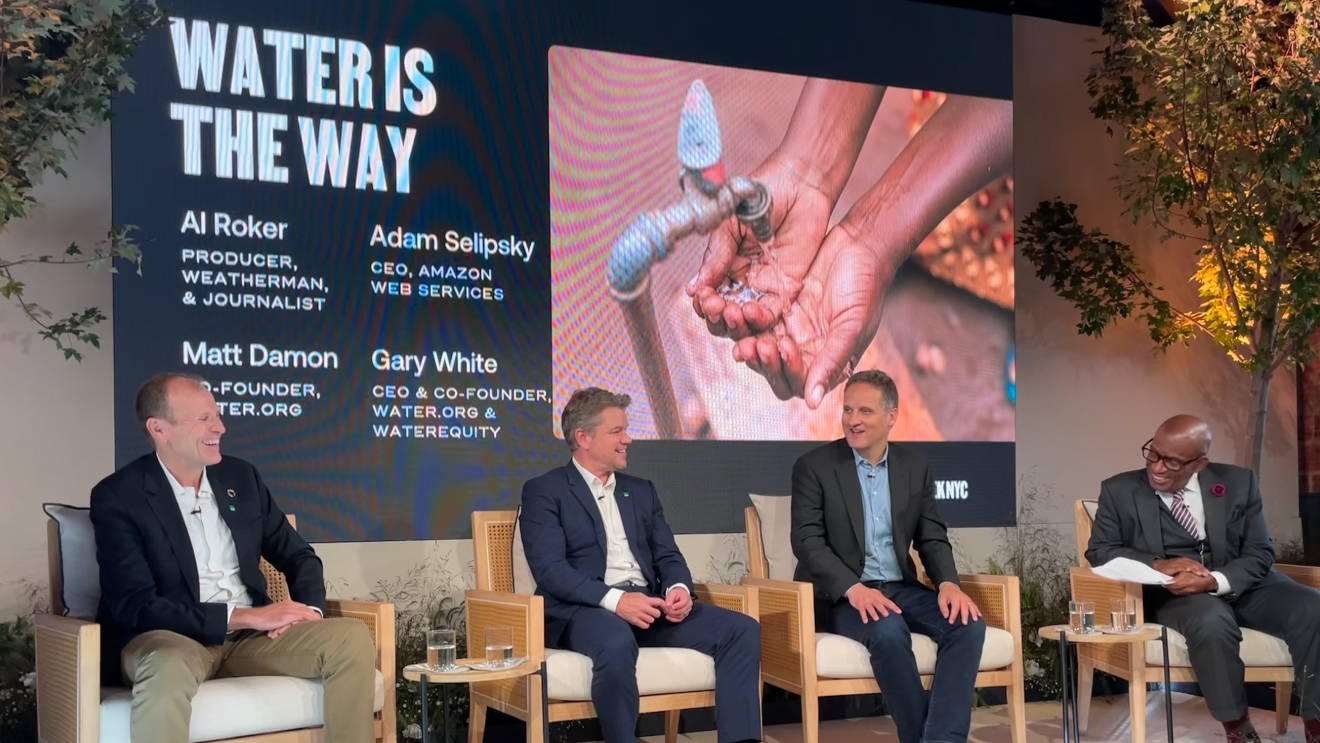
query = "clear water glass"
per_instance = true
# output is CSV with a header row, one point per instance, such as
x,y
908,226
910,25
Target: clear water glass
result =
x,y
1118,616
440,648
1081,616
499,646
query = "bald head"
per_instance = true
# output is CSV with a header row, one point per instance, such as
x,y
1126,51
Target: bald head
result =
x,y
1179,450
1186,428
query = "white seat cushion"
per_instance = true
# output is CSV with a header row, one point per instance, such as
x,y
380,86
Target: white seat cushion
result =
x,y
838,657
659,671
235,707
1258,650
775,514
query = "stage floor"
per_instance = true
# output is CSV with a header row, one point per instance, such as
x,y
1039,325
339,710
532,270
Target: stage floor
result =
x,y
1109,723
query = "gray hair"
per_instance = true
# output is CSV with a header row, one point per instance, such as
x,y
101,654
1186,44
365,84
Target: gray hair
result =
x,y
153,399
584,410
878,380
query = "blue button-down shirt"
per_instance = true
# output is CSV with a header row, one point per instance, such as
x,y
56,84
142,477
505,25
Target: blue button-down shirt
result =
x,y
881,560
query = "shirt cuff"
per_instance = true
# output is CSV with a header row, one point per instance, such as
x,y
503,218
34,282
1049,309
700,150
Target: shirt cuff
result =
x,y
611,600
229,617
1224,588
677,585
317,609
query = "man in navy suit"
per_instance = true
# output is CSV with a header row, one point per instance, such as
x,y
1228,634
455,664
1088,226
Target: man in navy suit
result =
x,y
613,579
180,534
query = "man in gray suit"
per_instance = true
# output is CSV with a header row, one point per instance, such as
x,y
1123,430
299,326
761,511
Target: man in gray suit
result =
x,y
1201,523
859,504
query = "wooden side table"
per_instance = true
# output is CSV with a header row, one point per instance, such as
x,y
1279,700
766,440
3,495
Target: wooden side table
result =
x,y
1067,638
419,674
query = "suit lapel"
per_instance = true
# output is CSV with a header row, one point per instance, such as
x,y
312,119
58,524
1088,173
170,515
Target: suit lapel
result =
x,y
160,497
1148,515
583,493
233,519
899,491
628,514
1216,516
845,469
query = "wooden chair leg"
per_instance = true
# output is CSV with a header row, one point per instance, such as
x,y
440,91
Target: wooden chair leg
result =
x,y
1137,709
1085,682
671,725
536,713
810,718
1017,713
1282,701
477,723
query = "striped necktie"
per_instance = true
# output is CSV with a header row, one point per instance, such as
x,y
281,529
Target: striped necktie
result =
x,y
1184,515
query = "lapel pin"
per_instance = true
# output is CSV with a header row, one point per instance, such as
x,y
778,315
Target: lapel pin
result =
x,y
231,492
625,493
232,508
1218,490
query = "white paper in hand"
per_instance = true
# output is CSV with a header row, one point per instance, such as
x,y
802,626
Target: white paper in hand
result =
x,y
1131,571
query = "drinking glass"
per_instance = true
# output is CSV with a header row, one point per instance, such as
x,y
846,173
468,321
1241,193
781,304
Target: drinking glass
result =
x,y
499,646
1118,616
1081,616
440,650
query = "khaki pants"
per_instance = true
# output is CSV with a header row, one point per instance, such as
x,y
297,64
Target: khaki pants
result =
x,y
166,668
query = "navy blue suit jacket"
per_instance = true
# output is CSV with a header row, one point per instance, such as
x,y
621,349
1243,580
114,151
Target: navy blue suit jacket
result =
x,y
564,540
148,569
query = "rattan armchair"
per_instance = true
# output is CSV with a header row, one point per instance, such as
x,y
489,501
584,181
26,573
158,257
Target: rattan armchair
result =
x,y
1266,657
797,658
70,697
494,603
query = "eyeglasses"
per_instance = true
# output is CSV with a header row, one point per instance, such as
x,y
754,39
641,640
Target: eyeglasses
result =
x,y
1173,465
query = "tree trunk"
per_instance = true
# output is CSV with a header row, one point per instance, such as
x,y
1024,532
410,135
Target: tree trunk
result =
x,y
1260,405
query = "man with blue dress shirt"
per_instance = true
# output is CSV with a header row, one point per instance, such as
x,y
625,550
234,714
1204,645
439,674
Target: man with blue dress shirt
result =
x,y
859,504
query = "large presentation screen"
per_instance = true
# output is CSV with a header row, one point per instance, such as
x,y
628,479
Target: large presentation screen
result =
x,y
394,239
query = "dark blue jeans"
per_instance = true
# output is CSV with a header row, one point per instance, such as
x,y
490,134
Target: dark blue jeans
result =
x,y
943,715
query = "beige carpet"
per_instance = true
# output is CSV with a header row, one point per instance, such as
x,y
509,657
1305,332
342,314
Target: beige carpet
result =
x,y
1109,723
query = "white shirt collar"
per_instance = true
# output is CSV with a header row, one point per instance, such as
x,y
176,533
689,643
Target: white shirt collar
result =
x,y
1193,486
593,482
179,490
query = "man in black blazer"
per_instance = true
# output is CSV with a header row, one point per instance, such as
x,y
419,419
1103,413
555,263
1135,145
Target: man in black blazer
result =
x,y
613,579
1201,523
859,504
180,534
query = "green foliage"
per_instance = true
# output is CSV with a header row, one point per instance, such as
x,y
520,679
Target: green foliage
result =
x,y
18,694
61,63
1221,114
1038,555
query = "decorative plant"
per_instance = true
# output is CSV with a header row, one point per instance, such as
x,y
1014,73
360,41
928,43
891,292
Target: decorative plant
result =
x,y
18,693
1221,113
61,62
429,596
1037,554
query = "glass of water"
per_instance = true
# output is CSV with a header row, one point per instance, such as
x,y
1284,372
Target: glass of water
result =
x,y
440,650
1118,615
499,646
1081,616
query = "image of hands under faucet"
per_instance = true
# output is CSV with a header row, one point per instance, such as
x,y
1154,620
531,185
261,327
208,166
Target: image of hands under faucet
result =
x,y
804,306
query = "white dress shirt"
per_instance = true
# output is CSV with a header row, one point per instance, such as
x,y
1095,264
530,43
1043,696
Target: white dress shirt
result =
x,y
218,581
620,564
1191,496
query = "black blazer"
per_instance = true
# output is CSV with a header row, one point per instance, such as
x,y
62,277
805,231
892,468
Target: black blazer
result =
x,y
1127,524
564,540
148,569
828,523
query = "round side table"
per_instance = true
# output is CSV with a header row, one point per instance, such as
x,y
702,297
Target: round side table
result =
x,y
420,674
1068,640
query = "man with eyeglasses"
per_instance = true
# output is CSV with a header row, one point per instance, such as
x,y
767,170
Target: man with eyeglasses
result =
x,y
1201,523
